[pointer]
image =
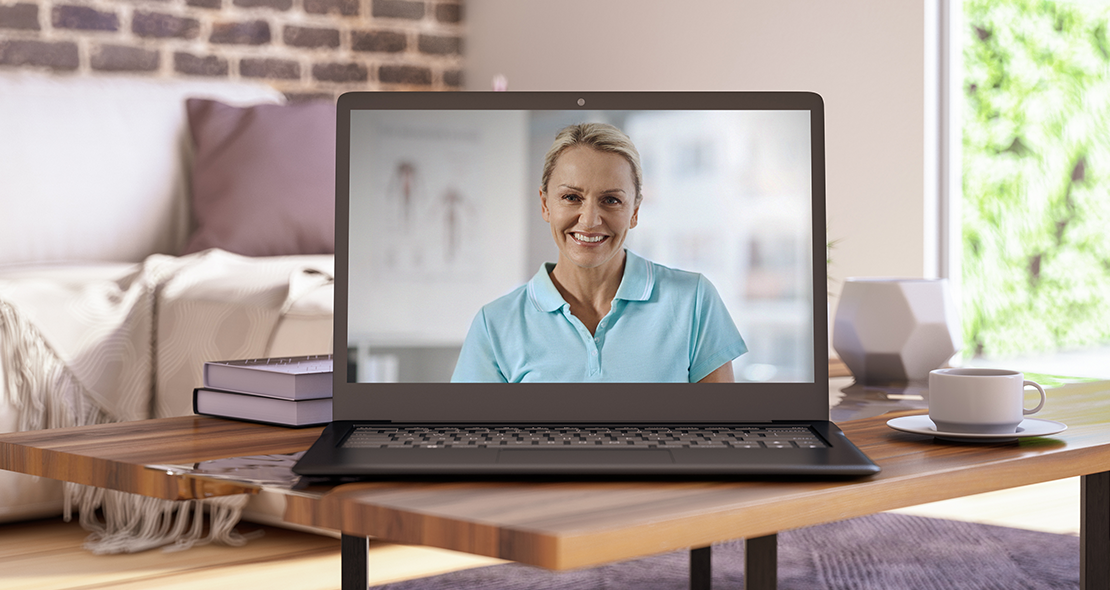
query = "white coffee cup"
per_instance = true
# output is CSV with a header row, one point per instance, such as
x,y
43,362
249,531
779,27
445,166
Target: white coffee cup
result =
x,y
979,401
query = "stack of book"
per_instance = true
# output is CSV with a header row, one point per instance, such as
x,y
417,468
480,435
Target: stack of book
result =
x,y
289,391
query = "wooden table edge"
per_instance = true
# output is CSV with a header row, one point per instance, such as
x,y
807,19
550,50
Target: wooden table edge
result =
x,y
116,461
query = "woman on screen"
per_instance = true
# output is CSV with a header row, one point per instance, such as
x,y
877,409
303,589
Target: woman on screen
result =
x,y
600,313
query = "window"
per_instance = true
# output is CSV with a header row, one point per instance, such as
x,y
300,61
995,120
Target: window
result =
x,y
1035,211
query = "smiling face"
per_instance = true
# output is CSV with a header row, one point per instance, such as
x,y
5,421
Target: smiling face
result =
x,y
590,203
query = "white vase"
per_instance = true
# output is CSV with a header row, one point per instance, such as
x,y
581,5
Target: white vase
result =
x,y
895,329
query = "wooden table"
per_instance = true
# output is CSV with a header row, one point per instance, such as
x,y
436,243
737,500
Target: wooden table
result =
x,y
563,525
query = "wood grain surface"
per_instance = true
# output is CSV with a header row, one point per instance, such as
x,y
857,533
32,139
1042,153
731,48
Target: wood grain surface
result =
x,y
570,525
573,525
115,456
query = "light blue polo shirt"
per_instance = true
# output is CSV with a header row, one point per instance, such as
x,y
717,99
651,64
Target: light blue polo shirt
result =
x,y
665,325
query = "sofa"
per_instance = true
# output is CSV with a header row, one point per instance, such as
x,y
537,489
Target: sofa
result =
x,y
146,226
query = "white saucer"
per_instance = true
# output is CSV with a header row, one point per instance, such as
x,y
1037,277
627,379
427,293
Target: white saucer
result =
x,y
1028,427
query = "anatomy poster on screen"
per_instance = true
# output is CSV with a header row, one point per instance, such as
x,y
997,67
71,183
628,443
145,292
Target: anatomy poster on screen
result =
x,y
427,204
437,229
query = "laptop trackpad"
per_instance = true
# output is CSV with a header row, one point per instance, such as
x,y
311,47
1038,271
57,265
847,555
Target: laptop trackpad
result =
x,y
584,457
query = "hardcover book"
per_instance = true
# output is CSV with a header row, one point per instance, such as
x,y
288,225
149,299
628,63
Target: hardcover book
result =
x,y
260,408
295,378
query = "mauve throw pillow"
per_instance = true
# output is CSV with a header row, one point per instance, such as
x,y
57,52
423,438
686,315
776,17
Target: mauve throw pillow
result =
x,y
263,178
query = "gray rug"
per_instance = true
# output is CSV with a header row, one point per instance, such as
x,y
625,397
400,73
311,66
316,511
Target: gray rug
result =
x,y
881,552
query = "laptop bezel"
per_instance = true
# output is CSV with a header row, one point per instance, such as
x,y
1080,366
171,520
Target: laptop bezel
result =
x,y
581,402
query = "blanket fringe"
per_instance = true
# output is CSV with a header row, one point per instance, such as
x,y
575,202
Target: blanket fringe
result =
x,y
133,523
48,395
38,383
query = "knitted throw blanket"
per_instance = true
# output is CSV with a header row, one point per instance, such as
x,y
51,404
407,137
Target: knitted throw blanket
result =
x,y
76,351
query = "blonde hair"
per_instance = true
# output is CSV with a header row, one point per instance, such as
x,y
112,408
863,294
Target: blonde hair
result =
x,y
599,136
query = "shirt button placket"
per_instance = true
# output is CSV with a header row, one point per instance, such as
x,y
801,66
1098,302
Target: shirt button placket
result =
x,y
593,361
596,344
595,356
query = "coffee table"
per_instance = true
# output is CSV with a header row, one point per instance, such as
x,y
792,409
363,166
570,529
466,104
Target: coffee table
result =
x,y
567,525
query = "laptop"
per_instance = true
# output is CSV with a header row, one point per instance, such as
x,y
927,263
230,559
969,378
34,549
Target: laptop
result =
x,y
446,258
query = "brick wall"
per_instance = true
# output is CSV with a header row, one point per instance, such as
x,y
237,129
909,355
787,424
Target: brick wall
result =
x,y
305,48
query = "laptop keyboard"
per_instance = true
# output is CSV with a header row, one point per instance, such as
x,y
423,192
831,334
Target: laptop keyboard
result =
x,y
648,437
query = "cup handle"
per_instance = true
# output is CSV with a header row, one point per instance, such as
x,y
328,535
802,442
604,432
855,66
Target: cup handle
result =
x,y
1043,397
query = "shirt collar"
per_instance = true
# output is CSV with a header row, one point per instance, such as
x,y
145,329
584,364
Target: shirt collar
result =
x,y
638,279
636,284
542,291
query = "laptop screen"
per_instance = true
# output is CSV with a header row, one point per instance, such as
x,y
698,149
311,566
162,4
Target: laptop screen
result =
x,y
455,210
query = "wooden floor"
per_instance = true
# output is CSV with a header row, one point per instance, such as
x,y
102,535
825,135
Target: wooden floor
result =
x,y
47,554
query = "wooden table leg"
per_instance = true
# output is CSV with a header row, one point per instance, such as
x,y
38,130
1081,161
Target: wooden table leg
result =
x,y
1094,561
761,563
701,572
355,555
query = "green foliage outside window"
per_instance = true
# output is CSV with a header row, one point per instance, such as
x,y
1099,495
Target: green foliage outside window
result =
x,y
1036,176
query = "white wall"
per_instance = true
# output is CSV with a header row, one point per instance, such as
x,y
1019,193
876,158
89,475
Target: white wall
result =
x,y
865,57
